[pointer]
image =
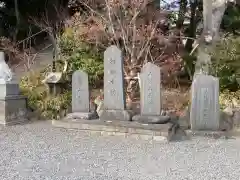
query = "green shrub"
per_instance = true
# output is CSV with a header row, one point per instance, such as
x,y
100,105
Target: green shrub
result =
x,y
226,64
40,101
81,56
229,99
189,64
67,42
91,64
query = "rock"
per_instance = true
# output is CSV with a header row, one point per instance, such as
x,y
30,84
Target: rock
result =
x,y
174,118
163,113
82,115
184,123
100,107
170,112
236,118
228,111
184,120
235,102
226,121
93,107
112,115
150,119
135,107
179,135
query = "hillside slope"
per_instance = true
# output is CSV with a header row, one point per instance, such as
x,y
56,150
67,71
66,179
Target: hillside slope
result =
x,y
42,59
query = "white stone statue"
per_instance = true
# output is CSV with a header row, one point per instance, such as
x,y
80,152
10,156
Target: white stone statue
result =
x,y
6,74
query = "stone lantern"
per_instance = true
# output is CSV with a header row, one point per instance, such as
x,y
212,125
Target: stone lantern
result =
x,y
54,81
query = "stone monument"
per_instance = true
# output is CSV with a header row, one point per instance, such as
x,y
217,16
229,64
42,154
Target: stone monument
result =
x,y
13,106
114,105
205,112
150,96
80,97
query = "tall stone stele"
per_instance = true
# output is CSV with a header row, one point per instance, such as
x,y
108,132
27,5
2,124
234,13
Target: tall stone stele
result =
x,y
13,106
204,114
150,96
114,105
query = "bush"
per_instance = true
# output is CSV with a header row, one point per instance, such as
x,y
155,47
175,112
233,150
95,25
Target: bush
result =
x,y
45,105
67,42
189,64
81,56
229,99
225,63
90,63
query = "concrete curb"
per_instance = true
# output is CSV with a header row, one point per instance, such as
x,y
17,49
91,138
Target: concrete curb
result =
x,y
119,128
215,134
151,132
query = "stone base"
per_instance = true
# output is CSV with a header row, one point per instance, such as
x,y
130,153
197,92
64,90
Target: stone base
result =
x,y
125,129
209,134
150,119
9,89
13,110
111,115
82,115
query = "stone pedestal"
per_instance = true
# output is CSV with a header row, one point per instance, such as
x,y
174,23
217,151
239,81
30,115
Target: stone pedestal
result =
x,y
13,110
83,115
9,89
151,119
111,115
13,107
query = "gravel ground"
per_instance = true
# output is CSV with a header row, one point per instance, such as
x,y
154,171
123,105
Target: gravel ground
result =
x,y
40,151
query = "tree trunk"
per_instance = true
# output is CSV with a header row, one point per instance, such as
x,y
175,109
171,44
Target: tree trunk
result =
x,y
17,14
213,11
181,18
53,40
181,13
132,83
191,32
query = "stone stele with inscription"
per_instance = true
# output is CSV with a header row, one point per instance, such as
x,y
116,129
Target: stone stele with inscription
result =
x,y
114,96
150,95
204,114
80,97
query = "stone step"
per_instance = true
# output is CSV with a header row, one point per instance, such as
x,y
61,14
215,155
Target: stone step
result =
x,y
155,132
